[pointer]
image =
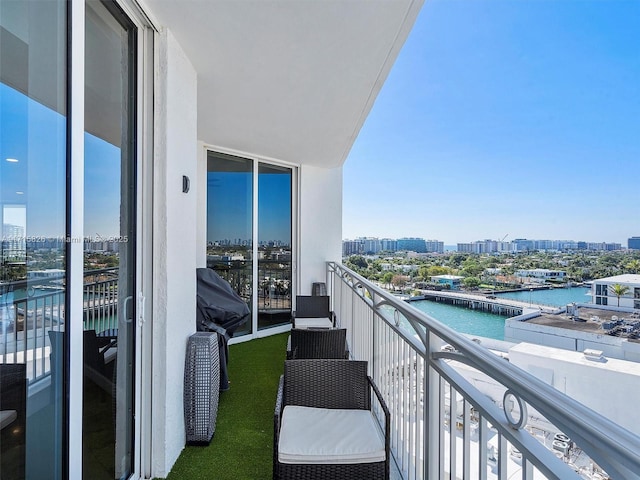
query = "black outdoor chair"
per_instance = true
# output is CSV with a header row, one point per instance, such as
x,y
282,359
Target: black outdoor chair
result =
x,y
96,367
313,311
318,343
324,426
13,411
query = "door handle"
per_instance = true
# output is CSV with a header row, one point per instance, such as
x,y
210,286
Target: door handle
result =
x,y
125,306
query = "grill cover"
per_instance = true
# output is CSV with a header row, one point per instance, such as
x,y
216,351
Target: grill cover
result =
x,y
221,310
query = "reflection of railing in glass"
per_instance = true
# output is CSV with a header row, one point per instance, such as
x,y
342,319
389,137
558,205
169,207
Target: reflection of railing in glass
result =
x,y
274,280
237,273
28,312
275,285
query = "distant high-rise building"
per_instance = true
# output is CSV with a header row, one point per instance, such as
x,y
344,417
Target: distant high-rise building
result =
x,y
465,247
523,245
434,246
371,245
389,245
633,243
352,247
412,244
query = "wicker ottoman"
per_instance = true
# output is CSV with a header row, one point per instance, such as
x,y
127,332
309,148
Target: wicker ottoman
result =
x,y
201,387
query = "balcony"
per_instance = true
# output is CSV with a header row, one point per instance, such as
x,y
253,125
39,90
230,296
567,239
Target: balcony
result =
x,y
443,423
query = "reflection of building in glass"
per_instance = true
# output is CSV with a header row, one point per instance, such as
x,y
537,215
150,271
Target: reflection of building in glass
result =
x,y
110,247
49,273
13,243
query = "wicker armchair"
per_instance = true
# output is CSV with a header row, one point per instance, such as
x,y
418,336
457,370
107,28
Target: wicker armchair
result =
x,y
324,427
314,343
13,406
96,367
313,311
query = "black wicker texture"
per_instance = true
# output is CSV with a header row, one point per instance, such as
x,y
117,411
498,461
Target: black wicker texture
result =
x,y
13,396
326,383
317,343
326,386
353,471
201,387
312,306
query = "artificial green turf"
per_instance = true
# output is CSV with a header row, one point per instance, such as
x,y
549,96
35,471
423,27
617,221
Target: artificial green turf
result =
x,y
242,446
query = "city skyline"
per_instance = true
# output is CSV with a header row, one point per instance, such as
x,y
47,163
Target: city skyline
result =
x,y
477,239
374,245
501,118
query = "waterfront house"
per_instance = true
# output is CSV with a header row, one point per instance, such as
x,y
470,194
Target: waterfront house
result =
x,y
603,291
541,275
453,282
129,123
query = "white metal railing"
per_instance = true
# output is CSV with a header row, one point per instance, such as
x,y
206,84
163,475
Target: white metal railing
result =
x,y
461,411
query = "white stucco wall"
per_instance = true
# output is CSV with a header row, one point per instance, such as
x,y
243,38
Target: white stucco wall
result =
x,y
174,244
201,240
320,238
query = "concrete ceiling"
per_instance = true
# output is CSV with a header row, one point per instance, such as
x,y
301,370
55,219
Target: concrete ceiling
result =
x,y
292,80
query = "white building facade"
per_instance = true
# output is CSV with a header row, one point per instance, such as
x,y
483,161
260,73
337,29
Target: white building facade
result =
x,y
604,291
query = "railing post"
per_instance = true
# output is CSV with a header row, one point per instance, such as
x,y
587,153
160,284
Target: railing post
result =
x,y
431,405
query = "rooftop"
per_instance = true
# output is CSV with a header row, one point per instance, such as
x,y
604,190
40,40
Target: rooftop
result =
x,y
558,354
625,278
588,316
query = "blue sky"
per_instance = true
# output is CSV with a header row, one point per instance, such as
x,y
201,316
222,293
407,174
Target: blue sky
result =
x,y
230,200
518,118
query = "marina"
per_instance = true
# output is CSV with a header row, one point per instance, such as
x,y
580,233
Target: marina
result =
x,y
484,315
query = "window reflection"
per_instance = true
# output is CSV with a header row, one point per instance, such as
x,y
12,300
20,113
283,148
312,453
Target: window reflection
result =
x,y
109,243
33,245
230,223
274,245
230,215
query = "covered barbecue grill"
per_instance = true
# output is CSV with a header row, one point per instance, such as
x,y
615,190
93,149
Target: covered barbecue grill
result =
x,y
221,310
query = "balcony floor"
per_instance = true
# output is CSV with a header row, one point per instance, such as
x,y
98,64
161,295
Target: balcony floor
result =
x,y
242,447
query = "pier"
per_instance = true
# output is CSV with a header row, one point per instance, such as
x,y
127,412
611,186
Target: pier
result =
x,y
486,303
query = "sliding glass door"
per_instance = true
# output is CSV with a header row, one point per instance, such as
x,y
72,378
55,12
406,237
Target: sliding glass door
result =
x,y
110,241
249,216
230,224
274,245
51,311
33,253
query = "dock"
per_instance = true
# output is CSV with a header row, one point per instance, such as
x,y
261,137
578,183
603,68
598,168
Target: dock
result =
x,y
486,303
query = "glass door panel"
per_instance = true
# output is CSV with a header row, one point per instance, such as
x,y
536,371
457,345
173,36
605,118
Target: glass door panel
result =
x,y
230,224
110,242
33,255
274,245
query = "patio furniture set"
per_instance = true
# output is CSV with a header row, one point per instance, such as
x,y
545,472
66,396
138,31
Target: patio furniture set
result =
x,y
330,420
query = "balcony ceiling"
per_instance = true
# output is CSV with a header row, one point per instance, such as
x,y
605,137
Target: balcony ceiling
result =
x,y
292,80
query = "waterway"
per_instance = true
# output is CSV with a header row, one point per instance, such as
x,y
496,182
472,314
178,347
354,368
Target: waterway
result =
x,y
464,320
558,297
489,325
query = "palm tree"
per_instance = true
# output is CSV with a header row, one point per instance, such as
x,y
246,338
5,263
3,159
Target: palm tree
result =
x,y
619,290
633,266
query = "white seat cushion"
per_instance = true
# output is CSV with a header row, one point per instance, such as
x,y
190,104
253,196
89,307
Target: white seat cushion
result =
x,y
324,435
7,417
312,322
110,355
